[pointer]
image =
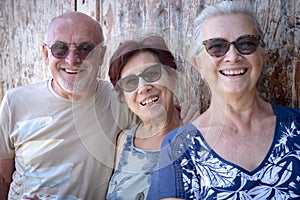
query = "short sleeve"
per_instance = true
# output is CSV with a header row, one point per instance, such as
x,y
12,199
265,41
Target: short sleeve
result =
x,y
167,180
6,147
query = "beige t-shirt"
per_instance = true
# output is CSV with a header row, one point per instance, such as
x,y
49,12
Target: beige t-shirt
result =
x,y
62,148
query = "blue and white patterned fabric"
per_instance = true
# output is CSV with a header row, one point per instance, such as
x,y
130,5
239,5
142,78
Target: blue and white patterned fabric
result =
x,y
199,173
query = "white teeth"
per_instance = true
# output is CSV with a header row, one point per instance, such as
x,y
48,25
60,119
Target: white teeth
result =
x,y
233,72
72,71
149,101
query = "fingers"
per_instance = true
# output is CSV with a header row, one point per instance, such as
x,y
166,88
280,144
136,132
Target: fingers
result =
x,y
31,198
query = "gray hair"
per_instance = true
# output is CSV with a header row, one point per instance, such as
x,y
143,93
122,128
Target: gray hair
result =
x,y
223,8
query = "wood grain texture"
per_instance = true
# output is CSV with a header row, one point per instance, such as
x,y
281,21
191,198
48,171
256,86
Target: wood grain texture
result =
x,y
22,28
23,23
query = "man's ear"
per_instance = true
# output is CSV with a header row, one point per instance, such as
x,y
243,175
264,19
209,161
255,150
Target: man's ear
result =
x,y
46,55
97,55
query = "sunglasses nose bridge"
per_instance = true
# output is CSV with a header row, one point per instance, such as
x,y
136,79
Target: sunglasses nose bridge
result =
x,y
233,46
141,80
142,84
72,49
72,55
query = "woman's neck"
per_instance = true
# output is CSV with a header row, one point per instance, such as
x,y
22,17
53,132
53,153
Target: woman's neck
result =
x,y
160,126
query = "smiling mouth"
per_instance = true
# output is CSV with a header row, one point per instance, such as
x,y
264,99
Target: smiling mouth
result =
x,y
71,71
149,101
233,72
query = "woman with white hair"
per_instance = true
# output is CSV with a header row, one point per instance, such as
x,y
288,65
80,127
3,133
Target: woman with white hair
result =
x,y
241,147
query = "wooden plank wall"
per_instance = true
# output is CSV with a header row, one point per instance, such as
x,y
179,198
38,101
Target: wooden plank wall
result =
x,y
280,81
22,28
22,33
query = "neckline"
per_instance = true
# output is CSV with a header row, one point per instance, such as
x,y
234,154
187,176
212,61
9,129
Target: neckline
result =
x,y
132,136
263,162
90,99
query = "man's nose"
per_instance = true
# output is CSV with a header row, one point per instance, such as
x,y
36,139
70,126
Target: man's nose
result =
x,y
73,57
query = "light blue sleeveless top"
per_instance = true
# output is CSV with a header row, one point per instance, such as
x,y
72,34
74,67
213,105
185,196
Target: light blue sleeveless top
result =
x,y
133,177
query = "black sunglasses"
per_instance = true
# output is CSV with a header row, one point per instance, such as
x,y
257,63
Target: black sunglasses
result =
x,y
245,44
150,75
61,50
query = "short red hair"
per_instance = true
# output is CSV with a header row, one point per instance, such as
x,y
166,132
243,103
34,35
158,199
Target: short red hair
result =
x,y
151,43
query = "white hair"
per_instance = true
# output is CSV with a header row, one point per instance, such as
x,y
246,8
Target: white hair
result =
x,y
223,8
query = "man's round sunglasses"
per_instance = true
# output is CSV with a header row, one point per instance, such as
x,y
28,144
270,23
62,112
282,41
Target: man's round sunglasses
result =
x,y
150,75
245,44
61,50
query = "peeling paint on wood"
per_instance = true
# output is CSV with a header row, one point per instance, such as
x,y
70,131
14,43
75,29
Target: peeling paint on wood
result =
x,y
22,27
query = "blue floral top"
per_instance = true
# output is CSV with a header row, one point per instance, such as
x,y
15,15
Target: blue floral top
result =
x,y
190,169
133,177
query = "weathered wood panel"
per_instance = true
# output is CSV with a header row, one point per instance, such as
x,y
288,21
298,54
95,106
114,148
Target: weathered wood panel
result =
x,y
23,23
280,81
22,28
173,19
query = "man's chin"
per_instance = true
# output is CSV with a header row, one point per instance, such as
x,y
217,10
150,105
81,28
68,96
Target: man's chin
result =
x,y
73,88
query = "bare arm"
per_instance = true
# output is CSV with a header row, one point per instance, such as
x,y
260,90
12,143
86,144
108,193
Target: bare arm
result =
x,y
7,167
121,140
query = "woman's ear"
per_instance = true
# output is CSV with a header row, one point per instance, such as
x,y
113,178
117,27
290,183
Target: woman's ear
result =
x,y
174,79
171,79
121,97
196,61
265,55
45,52
102,54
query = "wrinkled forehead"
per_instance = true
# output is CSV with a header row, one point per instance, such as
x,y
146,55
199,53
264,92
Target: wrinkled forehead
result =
x,y
138,62
74,30
227,25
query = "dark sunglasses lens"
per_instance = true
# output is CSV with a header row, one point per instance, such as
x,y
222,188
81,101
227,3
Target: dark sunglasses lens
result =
x,y
84,49
129,83
152,73
60,50
217,47
247,44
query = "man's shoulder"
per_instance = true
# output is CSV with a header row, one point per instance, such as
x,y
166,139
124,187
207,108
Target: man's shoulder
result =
x,y
29,87
104,86
27,92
